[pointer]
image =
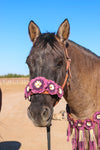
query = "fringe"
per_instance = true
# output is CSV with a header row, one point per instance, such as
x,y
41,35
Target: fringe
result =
x,y
92,140
74,139
99,134
68,132
88,124
92,145
81,140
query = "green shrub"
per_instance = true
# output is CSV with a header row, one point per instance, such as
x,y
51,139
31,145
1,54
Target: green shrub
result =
x,y
10,75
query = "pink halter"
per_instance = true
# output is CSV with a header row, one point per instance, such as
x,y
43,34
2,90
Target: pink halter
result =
x,y
44,86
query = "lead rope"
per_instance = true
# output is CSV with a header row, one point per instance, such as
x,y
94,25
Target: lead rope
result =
x,y
68,68
48,138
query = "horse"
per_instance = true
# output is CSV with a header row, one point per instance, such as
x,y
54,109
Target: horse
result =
x,y
0,99
48,64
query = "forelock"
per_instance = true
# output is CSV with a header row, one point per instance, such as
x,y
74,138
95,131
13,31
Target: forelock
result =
x,y
46,38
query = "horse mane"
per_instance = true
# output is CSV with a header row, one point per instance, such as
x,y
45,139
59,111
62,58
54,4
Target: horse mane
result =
x,y
46,38
86,51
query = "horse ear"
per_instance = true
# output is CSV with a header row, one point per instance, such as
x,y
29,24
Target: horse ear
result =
x,y
63,31
34,31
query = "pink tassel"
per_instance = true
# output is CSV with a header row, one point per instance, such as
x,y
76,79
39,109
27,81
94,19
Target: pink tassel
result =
x,y
99,134
74,139
96,118
81,145
92,145
92,140
68,132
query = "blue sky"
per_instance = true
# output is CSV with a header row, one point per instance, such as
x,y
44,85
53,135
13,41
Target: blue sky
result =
x,y
15,15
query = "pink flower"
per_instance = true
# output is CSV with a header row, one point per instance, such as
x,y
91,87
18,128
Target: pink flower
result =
x,y
89,124
41,84
27,91
38,85
52,87
60,91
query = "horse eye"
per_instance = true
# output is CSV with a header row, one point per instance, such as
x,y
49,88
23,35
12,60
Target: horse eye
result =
x,y
60,63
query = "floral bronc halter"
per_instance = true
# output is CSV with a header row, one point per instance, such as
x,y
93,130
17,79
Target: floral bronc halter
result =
x,y
44,86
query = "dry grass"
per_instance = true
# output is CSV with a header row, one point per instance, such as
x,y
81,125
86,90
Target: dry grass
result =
x,y
17,132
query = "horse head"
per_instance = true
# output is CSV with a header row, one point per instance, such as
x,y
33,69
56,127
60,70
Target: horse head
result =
x,y
47,66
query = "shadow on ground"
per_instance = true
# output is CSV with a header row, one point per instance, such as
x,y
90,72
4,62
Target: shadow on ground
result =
x,y
10,145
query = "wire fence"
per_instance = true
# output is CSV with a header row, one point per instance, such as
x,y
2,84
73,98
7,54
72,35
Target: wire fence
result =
x,y
6,81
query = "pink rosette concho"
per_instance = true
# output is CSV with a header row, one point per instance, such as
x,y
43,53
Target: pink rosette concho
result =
x,y
96,118
38,85
89,124
60,92
27,91
80,124
71,121
52,87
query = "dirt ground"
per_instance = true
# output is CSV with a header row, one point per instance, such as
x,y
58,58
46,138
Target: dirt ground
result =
x,y
17,132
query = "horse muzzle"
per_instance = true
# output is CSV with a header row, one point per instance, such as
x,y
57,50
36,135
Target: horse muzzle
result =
x,y
40,118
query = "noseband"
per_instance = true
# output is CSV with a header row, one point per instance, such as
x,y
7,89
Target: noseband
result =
x,y
41,85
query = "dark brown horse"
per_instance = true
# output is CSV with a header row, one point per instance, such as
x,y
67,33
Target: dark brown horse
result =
x,y
48,59
0,99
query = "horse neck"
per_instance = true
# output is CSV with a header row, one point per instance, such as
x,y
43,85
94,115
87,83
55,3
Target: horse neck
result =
x,y
82,98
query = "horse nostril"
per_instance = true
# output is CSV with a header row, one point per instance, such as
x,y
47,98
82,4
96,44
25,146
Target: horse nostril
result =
x,y
46,113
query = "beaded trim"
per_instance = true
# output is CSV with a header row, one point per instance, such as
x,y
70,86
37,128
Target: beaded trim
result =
x,y
78,127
